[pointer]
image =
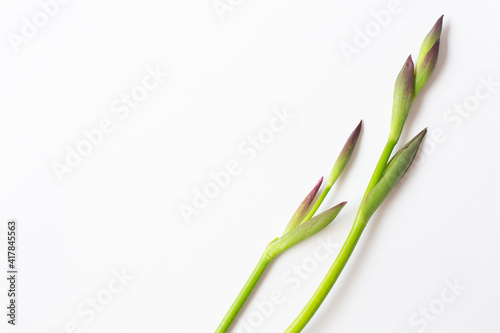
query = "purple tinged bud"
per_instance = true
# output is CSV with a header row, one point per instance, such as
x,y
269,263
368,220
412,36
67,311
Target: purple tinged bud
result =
x,y
403,97
429,41
303,208
303,231
344,156
424,71
351,141
395,170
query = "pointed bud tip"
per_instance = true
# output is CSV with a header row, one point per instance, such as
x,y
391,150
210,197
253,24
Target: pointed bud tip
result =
x,y
408,66
310,197
358,128
355,134
405,79
347,150
436,30
315,189
439,22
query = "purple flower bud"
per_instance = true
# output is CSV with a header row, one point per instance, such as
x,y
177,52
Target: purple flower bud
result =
x,y
426,68
303,208
403,97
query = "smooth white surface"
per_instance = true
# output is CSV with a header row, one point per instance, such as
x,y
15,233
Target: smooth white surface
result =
x,y
119,209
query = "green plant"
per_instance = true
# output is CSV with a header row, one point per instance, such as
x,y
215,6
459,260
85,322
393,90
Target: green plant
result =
x,y
387,173
301,226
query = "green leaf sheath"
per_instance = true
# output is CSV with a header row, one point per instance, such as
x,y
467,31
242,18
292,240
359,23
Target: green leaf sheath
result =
x,y
395,170
302,210
303,231
244,293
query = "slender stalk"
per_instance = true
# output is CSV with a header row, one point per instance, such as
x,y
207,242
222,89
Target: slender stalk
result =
x,y
379,169
244,293
273,249
345,252
380,188
331,277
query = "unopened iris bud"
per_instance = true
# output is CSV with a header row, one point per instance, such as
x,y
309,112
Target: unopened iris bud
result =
x,y
337,169
427,58
303,231
303,208
344,156
395,170
424,71
430,40
403,97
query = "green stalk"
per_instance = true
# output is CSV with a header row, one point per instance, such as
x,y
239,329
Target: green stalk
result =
x,y
274,248
345,252
301,226
373,199
244,293
331,277
386,174
337,169
379,169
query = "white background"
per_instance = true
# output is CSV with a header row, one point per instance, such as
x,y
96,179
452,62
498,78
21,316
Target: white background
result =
x,y
119,209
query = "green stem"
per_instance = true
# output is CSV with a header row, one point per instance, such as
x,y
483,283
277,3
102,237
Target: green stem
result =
x,y
331,277
345,252
382,163
244,293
